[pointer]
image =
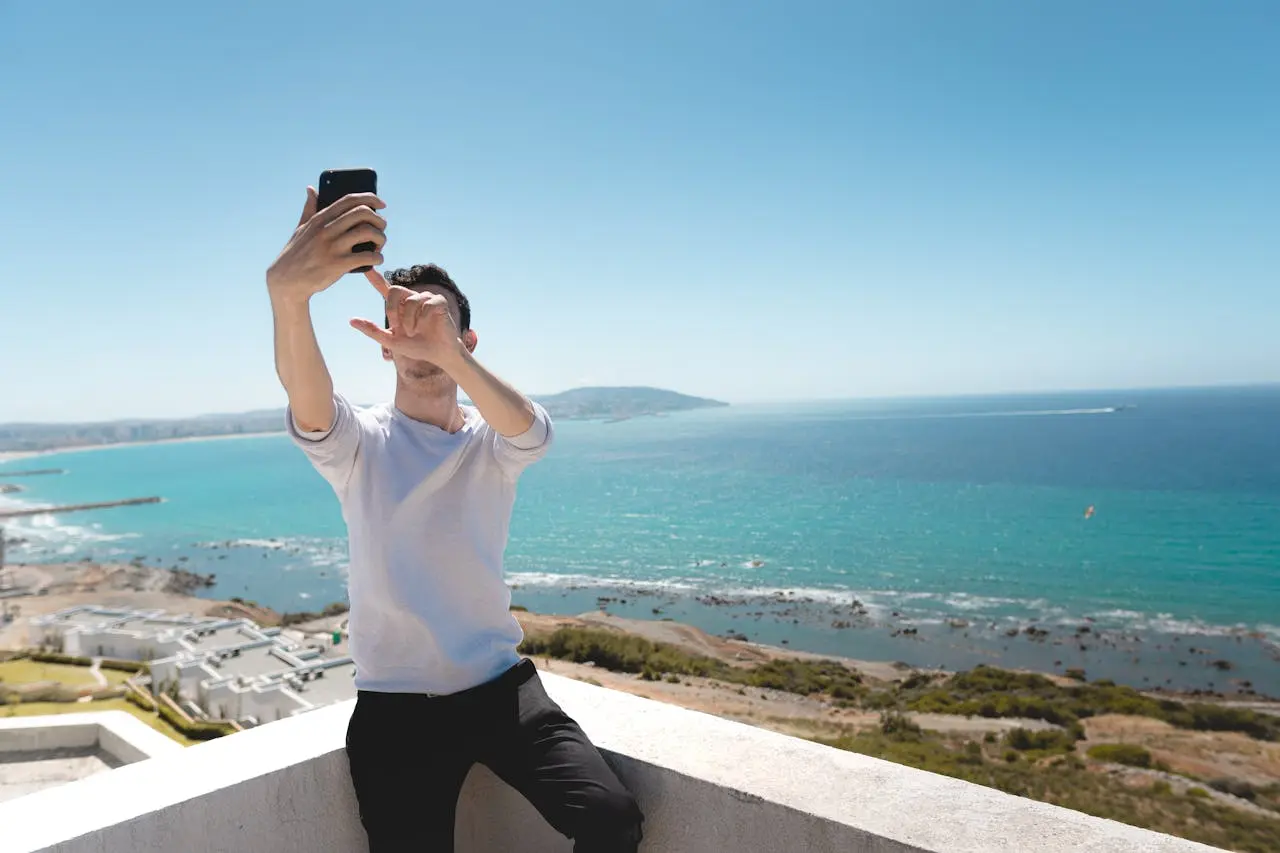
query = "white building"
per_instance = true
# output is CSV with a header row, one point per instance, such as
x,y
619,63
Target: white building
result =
x,y
223,669
140,635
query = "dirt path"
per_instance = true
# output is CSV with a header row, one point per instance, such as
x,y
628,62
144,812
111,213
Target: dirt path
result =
x,y
95,669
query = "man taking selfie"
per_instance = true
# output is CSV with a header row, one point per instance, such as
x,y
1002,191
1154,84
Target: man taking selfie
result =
x,y
427,487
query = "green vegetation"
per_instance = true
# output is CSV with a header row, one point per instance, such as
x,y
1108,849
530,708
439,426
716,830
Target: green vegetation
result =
x,y
653,661
989,692
1068,783
195,730
1041,743
128,667
1042,765
1121,753
58,657
337,608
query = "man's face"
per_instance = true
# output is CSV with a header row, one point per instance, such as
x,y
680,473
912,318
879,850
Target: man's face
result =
x,y
424,372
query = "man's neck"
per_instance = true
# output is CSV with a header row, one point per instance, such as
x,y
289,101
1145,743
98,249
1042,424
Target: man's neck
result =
x,y
439,408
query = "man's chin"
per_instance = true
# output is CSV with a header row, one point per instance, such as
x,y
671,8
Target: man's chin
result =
x,y
424,372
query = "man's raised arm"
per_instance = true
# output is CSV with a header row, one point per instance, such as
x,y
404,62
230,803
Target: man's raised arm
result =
x,y
316,256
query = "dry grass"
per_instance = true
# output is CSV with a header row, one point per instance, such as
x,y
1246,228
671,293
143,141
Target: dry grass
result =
x,y
15,672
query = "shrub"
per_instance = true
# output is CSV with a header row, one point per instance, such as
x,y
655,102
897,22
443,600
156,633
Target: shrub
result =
x,y
1199,793
123,665
894,724
990,692
1235,787
878,700
1049,740
140,699
194,729
1121,753
57,657
627,653
1161,788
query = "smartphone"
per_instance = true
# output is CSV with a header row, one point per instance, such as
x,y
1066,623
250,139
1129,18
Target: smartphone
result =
x,y
335,183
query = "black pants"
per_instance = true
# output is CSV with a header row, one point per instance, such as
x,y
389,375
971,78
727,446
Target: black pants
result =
x,y
410,754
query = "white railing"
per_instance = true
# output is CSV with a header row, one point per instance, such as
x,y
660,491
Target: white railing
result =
x,y
707,785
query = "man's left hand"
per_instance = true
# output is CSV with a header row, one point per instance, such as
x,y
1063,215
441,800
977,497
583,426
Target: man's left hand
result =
x,y
421,326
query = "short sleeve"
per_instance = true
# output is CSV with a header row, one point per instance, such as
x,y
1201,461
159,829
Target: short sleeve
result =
x,y
517,452
333,451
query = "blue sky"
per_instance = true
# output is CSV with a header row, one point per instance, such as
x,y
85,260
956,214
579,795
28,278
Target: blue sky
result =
x,y
752,201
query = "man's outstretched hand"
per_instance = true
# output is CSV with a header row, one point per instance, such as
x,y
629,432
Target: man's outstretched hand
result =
x,y
421,326
319,252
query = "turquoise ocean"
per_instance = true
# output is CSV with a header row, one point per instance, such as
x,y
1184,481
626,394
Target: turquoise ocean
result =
x,y
928,531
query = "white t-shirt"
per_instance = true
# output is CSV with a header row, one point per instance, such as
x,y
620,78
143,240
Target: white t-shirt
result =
x,y
427,516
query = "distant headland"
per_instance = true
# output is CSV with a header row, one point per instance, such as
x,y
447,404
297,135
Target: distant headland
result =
x,y
607,404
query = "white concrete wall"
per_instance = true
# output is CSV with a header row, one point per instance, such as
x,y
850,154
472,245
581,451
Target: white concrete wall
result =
x,y
123,645
707,785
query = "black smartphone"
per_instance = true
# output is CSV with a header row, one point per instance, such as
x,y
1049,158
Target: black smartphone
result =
x,y
335,183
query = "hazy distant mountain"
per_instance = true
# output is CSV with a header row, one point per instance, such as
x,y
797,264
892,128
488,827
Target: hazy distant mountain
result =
x,y
618,403
578,404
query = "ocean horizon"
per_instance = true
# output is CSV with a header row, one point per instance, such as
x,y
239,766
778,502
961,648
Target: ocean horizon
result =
x,y
942,528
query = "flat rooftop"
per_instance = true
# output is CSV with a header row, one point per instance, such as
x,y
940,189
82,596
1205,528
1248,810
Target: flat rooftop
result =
x,y
336,685
23,773
90,618
251,663
157,623
224,638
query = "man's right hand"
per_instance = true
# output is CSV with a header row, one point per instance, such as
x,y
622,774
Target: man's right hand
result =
x,y
319,252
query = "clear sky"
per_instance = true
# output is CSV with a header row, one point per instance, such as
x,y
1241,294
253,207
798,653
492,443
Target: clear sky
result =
x,y
746,200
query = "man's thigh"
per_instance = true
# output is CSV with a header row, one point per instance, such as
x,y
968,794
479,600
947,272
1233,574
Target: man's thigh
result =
x,y
407,764
545,755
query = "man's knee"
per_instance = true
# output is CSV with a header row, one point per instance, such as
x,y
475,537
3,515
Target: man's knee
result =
x,y
611,823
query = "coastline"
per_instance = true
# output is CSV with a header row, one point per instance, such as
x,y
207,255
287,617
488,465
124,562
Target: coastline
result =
x,y
1241,666
14,455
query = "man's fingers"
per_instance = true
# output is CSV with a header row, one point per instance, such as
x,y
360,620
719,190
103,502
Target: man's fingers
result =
x,y
309,208
360,234
411,313
374,331
353,262
379,282
360,215
351,202
395,302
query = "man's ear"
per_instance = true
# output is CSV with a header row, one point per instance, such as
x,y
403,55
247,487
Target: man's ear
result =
x,y
470,339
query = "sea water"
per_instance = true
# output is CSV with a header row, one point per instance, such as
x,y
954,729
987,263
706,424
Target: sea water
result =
x,y
1152,511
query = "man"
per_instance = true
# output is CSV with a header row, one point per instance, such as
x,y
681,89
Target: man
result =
x,y
426,488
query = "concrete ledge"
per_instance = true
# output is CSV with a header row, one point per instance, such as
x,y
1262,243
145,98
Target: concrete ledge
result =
x,y
706,784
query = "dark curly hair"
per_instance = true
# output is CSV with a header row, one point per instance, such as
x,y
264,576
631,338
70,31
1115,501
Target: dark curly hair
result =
x,y
420,275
